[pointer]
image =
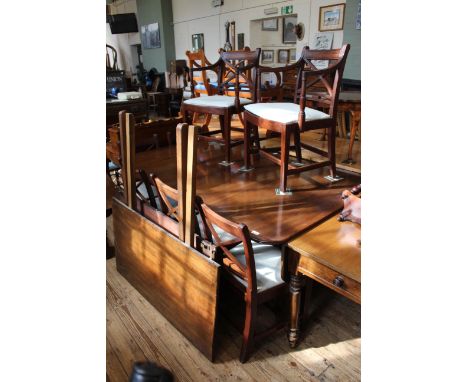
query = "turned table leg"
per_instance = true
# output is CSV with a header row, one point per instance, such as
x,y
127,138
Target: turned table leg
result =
x,y
296,284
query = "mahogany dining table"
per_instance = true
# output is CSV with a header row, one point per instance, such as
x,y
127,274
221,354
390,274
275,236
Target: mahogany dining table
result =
x,y
249,197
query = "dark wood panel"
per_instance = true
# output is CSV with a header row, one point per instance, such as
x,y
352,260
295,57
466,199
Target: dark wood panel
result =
x,y
176,279
139,108
157,133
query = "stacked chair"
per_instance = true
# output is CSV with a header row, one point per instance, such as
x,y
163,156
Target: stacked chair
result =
x,y
321,87
231,68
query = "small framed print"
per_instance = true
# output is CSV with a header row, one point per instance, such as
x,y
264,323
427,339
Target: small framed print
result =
x,y
240,41
289,29
268,56
283,56
270,24
197,41
292,55
331,17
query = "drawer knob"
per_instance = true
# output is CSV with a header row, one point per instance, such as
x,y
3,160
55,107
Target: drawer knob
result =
x,y
338,281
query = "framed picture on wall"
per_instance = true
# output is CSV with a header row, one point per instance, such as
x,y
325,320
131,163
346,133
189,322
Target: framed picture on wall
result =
x,y
292,55
289,34
331,17
322,41
240,41
358,16
283,56
150,36
197,41
268,56
270,24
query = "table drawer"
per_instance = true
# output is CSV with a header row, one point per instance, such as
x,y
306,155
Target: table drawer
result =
x,y
331,279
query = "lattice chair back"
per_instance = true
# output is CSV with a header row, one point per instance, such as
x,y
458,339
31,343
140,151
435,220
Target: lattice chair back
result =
x,y
199,80
239,67
320,79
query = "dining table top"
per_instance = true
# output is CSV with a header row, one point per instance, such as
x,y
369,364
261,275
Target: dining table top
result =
x,y
249,197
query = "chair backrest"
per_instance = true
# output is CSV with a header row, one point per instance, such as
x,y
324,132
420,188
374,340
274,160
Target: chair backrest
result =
x,y
197,60
229,77
167,192
110,51
241,235
170,198
239,67
321,86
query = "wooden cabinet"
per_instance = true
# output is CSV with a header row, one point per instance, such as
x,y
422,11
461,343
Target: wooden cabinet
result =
x,y
139,108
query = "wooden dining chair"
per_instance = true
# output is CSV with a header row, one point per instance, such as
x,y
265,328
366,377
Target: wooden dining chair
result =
x,y
322,87
170,197
201,83
252,268
231,66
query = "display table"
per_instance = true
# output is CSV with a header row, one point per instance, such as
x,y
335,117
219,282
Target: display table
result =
x,y
329,254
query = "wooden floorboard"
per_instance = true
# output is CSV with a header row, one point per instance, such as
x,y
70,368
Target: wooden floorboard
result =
x,y
136,331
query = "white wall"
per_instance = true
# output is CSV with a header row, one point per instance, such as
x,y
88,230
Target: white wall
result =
x,y
201,17
123,42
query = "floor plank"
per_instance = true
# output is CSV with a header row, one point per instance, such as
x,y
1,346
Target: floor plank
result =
x,y
136,331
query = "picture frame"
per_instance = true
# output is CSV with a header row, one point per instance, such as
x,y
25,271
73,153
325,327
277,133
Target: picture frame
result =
x,y
268,56
292,55
322,41
198,41
270,24
150,37
283,56
240,41
331,17
358,16
289,33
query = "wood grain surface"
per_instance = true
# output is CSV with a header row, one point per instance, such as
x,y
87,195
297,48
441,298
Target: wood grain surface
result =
x,y
329,352
177,280
249,197
333,244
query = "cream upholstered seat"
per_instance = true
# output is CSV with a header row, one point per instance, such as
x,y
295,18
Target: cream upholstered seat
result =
x,y
216,101
284,112
267,264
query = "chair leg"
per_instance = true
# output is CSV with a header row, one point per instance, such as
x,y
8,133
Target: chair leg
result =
x,y
297,145
249,327
256,138
241,118
285,142
207,122
355,120
331,149
247,147
227,137
195,117
185,116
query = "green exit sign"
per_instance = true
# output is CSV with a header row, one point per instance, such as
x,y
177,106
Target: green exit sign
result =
x,y
287,10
